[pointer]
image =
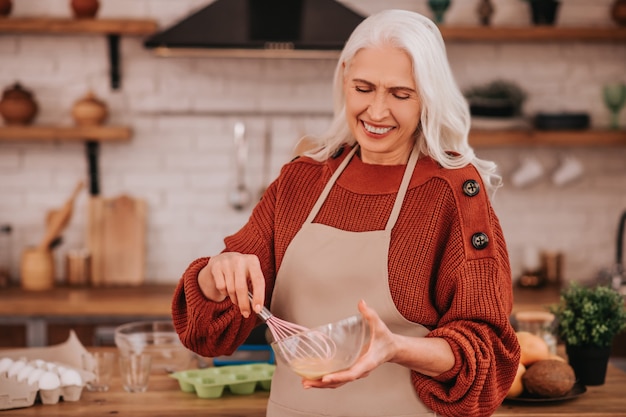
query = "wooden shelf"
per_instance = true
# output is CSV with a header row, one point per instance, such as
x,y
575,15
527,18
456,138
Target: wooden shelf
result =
x,y
111,28
533,34
565,138
65,133
478,138
129,27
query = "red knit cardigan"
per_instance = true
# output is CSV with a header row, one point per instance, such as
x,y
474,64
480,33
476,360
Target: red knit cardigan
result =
x,y
436,276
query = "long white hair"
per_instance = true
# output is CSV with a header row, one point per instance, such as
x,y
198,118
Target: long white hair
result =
x,y
444,119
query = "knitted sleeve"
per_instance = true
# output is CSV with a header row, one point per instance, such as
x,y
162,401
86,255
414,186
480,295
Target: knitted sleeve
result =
x,y
213,329
475,297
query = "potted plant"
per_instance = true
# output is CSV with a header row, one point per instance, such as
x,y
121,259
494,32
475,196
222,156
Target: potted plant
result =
x,y
499,98
588,319
543,12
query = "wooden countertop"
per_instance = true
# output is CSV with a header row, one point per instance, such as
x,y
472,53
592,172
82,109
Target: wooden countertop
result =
x,y
156,300
89,301
164,399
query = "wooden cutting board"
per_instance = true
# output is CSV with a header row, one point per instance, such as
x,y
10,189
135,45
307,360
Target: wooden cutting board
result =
x,y
116,238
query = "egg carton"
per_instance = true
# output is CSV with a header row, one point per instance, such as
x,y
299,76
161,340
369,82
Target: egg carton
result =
x,y
238,379
19,391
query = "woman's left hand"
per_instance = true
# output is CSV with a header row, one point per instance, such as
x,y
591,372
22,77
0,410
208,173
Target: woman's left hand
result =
x,y
382,348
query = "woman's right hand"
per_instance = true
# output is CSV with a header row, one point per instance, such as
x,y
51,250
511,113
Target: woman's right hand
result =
x,y
231,274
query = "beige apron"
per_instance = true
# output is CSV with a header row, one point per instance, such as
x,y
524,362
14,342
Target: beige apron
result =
x,y
324,274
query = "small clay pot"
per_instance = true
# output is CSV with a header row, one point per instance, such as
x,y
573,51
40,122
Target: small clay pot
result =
x,y
5,7
485,11
618,12
18,107
85,9
89,111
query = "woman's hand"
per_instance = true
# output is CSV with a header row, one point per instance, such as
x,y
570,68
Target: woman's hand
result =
x,y
429,356
229,274
381,349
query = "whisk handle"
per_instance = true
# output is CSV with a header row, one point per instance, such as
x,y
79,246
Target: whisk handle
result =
x,y
265,314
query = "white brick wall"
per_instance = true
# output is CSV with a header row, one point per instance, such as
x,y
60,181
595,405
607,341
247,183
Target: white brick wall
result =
x,y
182,111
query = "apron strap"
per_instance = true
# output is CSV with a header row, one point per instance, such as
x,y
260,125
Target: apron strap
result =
x,y
320,201
404,186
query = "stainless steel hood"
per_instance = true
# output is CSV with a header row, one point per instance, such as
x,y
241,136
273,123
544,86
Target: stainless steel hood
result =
x,y
260,28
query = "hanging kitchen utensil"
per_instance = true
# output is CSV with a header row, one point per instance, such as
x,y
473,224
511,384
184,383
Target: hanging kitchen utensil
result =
x,y
267,156
116,240
240,197
59,219
618,280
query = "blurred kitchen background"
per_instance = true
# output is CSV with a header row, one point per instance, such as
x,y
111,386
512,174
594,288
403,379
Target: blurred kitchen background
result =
x,y
182,110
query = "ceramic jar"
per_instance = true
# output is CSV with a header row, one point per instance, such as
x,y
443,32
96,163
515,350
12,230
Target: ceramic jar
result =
x,y
485,11
37,269
89,111
5,7
85,9
618,12
18,107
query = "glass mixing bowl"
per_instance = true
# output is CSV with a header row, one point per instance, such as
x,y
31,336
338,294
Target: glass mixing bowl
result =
x,y
157,338
348,339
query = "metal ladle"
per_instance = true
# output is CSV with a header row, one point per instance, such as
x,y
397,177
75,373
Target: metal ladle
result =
x,y
240,197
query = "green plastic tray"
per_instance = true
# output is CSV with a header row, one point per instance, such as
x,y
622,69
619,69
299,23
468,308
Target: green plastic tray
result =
x,y
238,379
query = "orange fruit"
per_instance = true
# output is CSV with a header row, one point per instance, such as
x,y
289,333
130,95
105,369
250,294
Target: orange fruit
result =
x,y
532,347
517,387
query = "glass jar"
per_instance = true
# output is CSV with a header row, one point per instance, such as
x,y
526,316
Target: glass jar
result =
x,y
540,323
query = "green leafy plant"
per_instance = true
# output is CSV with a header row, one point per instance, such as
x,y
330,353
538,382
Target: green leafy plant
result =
x,y
589,316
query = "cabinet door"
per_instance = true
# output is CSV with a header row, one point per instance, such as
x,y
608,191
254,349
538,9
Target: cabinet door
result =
x,y
12,335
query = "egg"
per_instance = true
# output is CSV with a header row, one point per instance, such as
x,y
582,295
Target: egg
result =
x,y
40,363
49,380
71,377
34,376
50,366
5,364
16,367
24,372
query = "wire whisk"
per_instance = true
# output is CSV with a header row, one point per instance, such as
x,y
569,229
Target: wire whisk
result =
x,y
304,343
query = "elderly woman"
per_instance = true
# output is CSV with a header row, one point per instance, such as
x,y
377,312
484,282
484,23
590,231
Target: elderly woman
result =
x,y
388,213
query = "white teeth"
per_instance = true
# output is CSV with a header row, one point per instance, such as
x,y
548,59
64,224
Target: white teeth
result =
x,y
376,130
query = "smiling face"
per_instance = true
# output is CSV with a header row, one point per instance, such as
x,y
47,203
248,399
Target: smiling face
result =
x,y
382,104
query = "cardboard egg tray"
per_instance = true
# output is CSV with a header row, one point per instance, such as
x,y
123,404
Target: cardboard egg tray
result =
x,y
20,394
238,379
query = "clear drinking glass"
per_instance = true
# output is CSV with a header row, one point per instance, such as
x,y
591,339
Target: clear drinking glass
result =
x,y
102,365
135,371
614,95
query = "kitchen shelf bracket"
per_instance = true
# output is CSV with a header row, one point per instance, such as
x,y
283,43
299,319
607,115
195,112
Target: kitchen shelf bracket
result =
x,y
114,60
93,149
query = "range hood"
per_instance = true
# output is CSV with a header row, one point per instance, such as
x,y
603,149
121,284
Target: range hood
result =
x,y
260,28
